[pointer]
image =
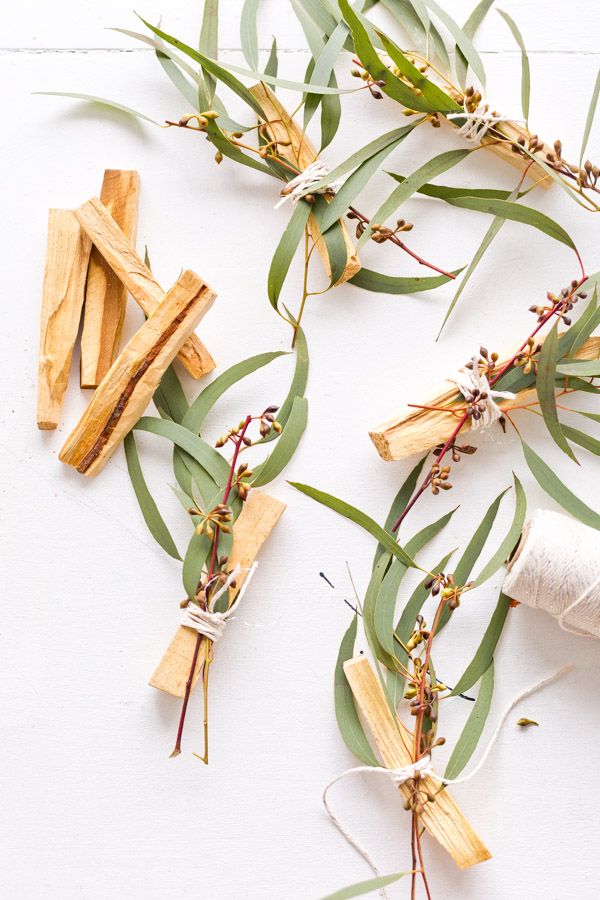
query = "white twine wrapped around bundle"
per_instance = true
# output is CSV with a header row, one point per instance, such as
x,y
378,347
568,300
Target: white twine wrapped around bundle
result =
x,y
305,181
557,568
477,122
474,386
212,624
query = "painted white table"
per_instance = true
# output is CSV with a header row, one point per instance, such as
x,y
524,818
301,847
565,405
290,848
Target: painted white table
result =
x,y
92,805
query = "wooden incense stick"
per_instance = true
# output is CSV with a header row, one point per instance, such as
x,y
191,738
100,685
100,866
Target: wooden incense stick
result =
x,y
129,384
124,260
417,430
443,818
281,127
67,256
257,519
105,293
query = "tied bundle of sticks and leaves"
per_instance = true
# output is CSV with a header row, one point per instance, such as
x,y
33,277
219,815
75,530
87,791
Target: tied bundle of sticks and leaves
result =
x,y
229,517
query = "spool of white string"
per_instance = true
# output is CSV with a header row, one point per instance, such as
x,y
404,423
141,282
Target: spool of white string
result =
x,y
557,568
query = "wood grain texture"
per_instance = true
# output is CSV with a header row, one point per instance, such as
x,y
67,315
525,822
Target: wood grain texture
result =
x,y
126,263
443,819
129,384
417,430
254,525
67,255
105,293
301,154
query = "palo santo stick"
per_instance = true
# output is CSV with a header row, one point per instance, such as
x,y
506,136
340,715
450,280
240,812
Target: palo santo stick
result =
x,y
105,293
257,519
417,430
443,818
67,258
129,384
125,262
281,127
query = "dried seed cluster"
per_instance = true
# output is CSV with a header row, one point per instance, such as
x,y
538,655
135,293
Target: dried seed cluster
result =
x,y
561,304
218,517
456,450
439,478
586,175
448,589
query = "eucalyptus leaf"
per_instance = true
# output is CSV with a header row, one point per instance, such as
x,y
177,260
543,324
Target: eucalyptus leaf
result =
x,y
545,387
484,654
272,65
248,32
469,738
202,452
516,212
149,509
525,72
208,45
438,98
408,617
462,40
297,386
510,539
345,709
590,118
169,395
584,440
285,251
286,446
470,29
585,368
379,283
365,887
553,486
101,100
195,557
475,546
400,501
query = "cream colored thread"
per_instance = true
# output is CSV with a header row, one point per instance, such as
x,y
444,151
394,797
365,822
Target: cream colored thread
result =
x,y
212,624
469,380
557,568
302,183
477,123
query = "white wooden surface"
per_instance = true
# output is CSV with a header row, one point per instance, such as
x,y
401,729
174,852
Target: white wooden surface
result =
x,y
92,805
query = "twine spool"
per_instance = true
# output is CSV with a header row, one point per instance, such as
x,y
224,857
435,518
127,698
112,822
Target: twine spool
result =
x,y
556,568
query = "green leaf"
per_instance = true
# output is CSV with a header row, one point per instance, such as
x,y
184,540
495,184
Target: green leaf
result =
x,y
545,387
590,117
248,32
438,98
476,544
400,502
393,86
323,68
516,212
204,402
444,192
152,517
484,654
359,518
509,542
469,738
208,44
297,387
406,622
407,188
365,887
470,28
285,251
525,73
584,368
391,284
595,417
178,79
584,440
102,101
355,183
345,709
553,486
463,42
272,63
202,452
304,86
212,67
286,446
195,557
222,143
169,395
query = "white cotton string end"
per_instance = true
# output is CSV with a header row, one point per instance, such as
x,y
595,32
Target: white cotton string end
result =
x,y
476,390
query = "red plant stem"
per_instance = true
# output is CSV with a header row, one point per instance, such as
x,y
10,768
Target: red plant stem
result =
x,y
493,381
395,240
211,572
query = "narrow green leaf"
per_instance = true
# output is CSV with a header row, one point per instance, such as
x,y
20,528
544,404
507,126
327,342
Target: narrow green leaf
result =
x,y
345,709
152,517
407,489
584,368
193,563
204,402
484,654
510,539
545,387
286,446
178,79
445,192
469,738
272,65
516,212
584,440
463,42
169,396
202,452
323,68
438,98
221,142
379,283
297,386
551,483
285,251
365,887
525,73
248,32
359,518
476,544
208,45
102,101
595,417
431,169
590,118
470,28
406,622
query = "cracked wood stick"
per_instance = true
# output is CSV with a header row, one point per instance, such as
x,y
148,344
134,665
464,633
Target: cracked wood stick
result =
x,y
67,256
127,265
105,293
300,153
257,519
129,384
443,819
416,430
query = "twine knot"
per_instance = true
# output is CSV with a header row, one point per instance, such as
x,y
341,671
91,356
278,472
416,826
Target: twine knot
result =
x,y
304,181
209,623
475,388
477,122
422,767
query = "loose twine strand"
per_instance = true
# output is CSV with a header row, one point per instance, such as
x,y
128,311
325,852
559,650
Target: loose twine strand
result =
x,y
424,767
212,624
